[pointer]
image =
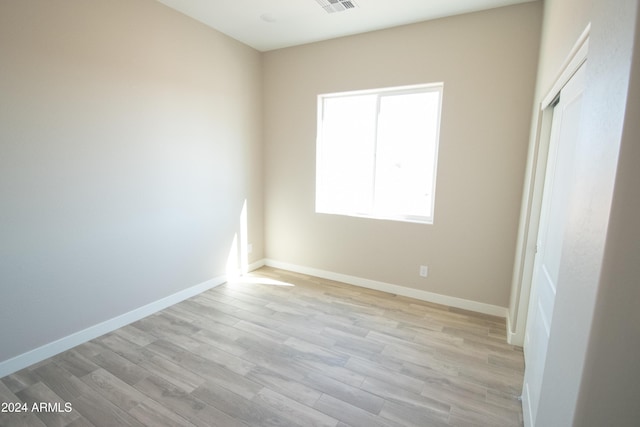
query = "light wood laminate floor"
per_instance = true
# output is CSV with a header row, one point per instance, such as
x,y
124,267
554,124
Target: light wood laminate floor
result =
x,y
283,349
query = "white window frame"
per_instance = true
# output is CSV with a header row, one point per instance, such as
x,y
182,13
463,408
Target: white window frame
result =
x,y
431,87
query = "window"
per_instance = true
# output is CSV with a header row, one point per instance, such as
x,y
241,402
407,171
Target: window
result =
x,y
377,153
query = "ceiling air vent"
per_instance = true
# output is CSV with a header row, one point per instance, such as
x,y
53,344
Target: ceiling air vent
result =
x,y
331,6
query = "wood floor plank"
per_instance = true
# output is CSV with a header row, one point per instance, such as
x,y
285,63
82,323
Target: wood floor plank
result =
x,y
286,367
75,363
114,389
261,331
123,347
485,416
217,337
367,368
216,355
122,368
186,405
281,348
452,389
307,351
340,373
172,372
100,412
296,413
218,373
409,354
352,395
20,419
353,344
203,309
60,381
282,384
307,331
350,414
54,413
20,380
254,414
135,335
80,422
15,418
411,416
508,401
401,396
151,413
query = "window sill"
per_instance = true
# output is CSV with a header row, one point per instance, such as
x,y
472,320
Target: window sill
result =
x,y
409,219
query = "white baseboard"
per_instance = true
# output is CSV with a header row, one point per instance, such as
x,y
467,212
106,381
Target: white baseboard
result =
x,y
450,301
256,265
514,338
510,334
36,355
527,414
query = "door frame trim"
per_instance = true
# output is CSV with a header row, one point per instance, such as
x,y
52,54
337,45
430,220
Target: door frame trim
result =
x,y
532,194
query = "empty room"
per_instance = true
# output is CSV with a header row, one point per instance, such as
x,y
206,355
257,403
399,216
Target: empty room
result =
x,y
319,213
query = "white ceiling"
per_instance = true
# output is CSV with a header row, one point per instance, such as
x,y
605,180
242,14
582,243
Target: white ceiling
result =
x,y
273,24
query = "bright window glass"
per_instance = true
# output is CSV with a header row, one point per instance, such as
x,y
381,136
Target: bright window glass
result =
x,y
377,153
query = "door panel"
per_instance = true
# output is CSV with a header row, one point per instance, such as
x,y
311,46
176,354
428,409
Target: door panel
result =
x,y
559,181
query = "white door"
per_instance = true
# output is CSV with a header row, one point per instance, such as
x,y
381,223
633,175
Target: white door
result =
x,y
559,180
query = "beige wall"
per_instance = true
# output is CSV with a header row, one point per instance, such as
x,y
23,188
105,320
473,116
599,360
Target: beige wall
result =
x,y
488,62
564,22
592,372
592,276
130,135
611,382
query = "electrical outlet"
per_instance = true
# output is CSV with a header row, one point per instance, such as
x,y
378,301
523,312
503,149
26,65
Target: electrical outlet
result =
x,y
250,248
424,271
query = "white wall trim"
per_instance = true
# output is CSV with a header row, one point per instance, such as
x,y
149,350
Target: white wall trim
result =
x,y
39,354
256,265
512,337
527,413
464,304
576,58
532,197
